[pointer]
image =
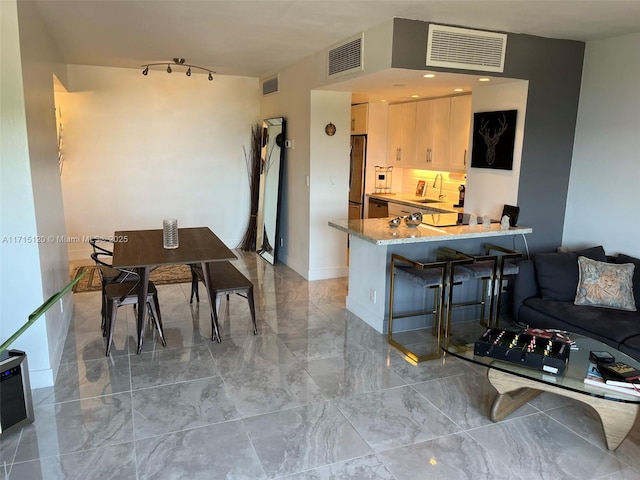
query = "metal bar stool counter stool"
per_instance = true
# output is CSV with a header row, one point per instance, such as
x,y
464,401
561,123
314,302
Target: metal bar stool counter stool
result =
x,y
425,275
491,268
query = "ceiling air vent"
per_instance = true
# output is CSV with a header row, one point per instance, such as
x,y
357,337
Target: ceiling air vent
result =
x,y
270,85
466,49
346,57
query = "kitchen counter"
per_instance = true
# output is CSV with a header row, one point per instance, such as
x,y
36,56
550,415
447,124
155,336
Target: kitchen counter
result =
x,y
378,232
371,244
414,201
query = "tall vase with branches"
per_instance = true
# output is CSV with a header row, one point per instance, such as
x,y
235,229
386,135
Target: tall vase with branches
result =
x,y
253,160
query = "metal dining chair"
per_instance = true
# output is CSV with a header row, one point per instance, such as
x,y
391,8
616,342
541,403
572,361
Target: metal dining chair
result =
x,y
118,294
103,247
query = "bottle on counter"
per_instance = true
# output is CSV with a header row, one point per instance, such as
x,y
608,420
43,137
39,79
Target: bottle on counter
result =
x,y
461,190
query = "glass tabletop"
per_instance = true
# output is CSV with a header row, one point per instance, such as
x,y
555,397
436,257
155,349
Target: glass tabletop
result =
x,y
571,379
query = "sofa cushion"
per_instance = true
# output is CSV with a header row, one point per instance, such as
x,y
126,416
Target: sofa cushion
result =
x,y
622,258
607,325
557,272
631,346
603,284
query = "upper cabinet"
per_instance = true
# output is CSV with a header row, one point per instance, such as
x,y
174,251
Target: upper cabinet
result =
x,y
460,129
432,134
401,130
442,134
359,116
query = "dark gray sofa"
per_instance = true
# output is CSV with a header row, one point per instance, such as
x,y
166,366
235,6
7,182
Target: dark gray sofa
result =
x,y
543,294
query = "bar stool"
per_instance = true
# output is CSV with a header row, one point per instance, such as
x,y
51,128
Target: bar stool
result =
x,y
428,275
491,268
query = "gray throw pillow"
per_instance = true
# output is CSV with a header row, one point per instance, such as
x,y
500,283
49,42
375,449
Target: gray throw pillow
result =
x,y
557,272
622,258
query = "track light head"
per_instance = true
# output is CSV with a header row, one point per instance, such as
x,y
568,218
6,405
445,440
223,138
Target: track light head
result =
x,y
180,62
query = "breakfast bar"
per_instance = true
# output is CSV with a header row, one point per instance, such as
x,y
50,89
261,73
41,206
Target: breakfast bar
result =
x,y
372,242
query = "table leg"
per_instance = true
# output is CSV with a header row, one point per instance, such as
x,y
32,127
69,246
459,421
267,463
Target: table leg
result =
x,y
206,272
617,418
143,291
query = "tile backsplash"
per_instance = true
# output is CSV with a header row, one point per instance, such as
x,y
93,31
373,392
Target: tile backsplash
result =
x,y
450,183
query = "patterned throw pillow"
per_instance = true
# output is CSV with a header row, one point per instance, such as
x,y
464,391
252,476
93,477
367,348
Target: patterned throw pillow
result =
x,y
606,285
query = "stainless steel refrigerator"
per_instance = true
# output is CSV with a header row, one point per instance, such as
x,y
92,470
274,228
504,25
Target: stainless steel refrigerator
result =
x,y
356,176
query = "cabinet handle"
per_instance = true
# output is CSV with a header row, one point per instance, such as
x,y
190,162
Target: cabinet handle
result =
x,y
399,156
464,158
426,156
353,124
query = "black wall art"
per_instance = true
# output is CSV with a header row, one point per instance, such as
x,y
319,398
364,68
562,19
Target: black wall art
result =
x,y
494,136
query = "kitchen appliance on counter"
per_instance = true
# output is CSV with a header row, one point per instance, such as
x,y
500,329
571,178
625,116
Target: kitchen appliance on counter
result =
x,y
383,179
356,176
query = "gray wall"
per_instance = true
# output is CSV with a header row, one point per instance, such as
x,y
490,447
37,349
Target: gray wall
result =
x,y
554,70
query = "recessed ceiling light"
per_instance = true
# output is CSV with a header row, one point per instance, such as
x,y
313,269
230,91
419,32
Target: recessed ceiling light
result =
x,y
415,96
429,75
383,100
458,89
484,79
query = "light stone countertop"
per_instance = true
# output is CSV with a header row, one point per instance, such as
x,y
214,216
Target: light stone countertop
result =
x,y
377,231
414,201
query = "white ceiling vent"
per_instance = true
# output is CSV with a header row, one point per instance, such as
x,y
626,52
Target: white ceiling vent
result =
x,y
466,49
345,57
270,85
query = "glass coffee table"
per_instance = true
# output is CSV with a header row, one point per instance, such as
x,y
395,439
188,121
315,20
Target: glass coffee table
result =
x,y
517,384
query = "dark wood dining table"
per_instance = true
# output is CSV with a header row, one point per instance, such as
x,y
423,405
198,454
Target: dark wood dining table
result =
x,y
142,250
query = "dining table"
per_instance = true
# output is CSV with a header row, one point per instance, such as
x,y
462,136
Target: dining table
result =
x,y
143,250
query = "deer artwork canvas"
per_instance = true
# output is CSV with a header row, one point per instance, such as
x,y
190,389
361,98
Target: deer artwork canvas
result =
x,y
494,139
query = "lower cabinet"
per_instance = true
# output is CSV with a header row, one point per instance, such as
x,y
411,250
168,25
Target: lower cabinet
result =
x,y
400,210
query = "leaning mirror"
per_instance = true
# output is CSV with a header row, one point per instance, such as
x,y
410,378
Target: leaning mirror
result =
x,y
273,135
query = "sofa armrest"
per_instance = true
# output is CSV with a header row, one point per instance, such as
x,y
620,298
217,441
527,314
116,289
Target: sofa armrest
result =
x,y
525,285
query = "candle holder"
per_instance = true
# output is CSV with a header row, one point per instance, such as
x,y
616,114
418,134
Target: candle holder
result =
x,y
170,233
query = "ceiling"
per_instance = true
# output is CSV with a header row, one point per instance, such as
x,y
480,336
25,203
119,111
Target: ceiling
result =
x,y
259,37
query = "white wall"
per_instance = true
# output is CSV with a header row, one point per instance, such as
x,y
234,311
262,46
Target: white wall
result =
x,y
34,265
141,148
329,183
603,194
488,190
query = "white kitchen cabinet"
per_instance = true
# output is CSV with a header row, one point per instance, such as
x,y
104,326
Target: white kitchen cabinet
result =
x,y
401,210
359,117
401,128
432,134
460,127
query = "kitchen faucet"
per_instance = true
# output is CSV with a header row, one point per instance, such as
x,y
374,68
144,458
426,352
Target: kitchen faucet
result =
x,y
441,196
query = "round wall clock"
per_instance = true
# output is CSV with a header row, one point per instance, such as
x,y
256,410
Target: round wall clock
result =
x,y
330,129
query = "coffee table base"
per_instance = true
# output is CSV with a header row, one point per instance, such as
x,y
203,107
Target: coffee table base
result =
x,y
617,418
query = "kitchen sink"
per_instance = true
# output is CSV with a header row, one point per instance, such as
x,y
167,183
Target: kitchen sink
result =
x,y
428,200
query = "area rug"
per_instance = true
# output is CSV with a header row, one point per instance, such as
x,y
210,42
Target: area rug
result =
x,y
164,275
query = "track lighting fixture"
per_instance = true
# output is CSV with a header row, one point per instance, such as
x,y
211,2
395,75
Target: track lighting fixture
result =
x,y
179,62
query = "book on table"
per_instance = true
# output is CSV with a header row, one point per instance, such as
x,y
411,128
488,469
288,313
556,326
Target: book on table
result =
x,y
619,371
594,377
611,380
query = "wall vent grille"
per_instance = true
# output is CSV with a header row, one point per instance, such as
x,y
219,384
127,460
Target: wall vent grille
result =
x,y
466,49
345,57
270,85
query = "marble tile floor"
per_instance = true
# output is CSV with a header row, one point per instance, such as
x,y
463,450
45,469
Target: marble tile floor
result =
x,y
317,394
